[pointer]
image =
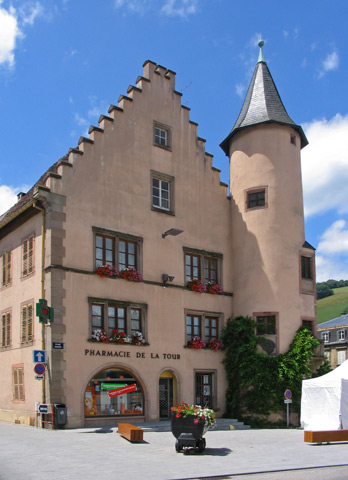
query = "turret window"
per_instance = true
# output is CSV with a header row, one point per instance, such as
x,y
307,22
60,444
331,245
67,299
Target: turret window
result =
x,y
256,198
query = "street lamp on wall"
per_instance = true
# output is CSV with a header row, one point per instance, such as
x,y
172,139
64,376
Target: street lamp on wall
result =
x,y
167,278
172,231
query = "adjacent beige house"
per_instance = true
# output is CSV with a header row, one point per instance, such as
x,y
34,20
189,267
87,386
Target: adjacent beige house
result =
x,y
143,253
334,335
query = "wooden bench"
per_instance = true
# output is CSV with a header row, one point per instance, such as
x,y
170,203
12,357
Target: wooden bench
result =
x,y
130,432
326,436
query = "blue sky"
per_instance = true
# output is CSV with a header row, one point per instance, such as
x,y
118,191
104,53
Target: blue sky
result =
x,y
63,62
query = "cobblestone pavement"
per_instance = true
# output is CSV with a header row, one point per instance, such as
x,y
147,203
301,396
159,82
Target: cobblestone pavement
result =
x,y
29,453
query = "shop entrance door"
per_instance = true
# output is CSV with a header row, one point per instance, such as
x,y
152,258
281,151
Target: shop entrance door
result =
x,y
166,396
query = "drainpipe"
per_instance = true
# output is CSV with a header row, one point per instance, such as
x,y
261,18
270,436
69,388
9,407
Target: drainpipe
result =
x,y
43,236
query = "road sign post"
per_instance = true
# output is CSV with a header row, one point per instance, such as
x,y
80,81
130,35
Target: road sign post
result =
x,y
287,401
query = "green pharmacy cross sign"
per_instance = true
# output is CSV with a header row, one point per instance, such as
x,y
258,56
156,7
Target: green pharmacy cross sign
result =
x,y
44,312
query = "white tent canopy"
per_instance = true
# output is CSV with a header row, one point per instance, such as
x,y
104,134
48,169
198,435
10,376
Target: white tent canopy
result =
x,y
324,402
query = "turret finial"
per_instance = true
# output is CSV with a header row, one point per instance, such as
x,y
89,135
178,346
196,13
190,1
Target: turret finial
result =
x,y
261,57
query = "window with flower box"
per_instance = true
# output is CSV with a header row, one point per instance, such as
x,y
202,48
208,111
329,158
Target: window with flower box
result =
x,y
202,330
6,268
28,256
6,329
203,266
27,323
117,249
117,322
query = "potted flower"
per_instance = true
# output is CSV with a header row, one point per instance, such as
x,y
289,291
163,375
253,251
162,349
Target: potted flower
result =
x,y
196,343
196,286
214,344
194,421
107,271
214,288
131,274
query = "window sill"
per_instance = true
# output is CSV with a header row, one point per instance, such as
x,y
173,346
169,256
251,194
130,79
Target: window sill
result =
x,y
161,210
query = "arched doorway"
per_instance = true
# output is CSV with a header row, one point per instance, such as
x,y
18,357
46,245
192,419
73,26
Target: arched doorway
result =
x,y
111,392
167,394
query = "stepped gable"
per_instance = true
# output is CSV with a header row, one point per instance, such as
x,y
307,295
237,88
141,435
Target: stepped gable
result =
x,y
262,105
149,70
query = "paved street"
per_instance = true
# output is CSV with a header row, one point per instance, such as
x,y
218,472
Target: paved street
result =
x,y
31,454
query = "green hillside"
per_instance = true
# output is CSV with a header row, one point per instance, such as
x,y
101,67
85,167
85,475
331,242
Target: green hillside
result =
x,y
332,307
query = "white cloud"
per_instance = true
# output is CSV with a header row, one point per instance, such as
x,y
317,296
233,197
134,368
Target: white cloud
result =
x,y
332,252
8,196
335,239
29,11
9,32
136,6
12,24
328,267
180,8
330,63
240,89
325,166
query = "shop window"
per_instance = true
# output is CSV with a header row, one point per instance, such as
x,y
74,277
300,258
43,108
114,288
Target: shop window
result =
x,y
162,192
341,356
256,198
202,266
116,249
27,323
117,322
6,329
162,135
113,392
28,256
6,269
204,383
18,382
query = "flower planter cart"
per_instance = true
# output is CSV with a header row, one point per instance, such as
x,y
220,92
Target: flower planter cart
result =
x,y
187,433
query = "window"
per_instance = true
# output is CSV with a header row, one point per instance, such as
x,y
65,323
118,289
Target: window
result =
x,y
27,323
308,324
6,269
341,356
205,326
112,315
341,335
256,198
117,249
161,135
162,192
193,327
18,382
6,329
306,267
202,266
204,389
266,325
325,336
28,256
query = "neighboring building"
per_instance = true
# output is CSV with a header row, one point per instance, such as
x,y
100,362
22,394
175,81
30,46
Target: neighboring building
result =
x,y
334,334
141,195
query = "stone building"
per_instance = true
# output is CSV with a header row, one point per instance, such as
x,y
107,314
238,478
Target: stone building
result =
x,y
143,254
334,334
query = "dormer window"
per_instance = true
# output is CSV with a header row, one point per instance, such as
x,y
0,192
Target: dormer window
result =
x,y
325,336
341,335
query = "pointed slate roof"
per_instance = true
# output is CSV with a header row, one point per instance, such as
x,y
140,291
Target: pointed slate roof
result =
x,y
262,104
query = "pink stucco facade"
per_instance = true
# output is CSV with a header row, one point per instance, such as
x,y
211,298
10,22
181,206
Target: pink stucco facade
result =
x,y
113,197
